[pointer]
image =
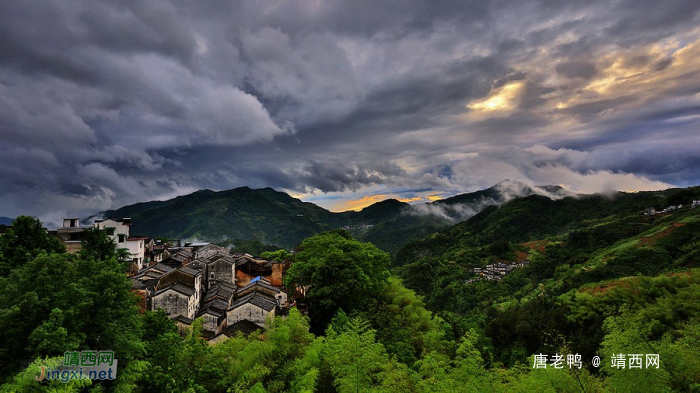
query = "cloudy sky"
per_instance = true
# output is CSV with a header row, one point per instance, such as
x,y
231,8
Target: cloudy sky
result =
x,y
342,103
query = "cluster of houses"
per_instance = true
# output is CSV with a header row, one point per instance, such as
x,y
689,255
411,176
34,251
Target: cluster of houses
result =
x,y
495,271
232,293
650,211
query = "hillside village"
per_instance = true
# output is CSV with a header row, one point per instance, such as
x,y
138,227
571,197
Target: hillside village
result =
x,y
232,292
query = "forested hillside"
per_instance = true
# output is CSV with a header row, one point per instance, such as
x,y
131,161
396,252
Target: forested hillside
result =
x,y
275,218
596,276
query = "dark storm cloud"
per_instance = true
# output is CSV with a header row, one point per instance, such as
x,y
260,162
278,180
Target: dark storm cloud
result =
x,y
108,103
588,111
641,21
330,177
576,69
512,123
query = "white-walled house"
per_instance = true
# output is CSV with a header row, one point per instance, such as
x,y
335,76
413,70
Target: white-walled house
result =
x,y
118,231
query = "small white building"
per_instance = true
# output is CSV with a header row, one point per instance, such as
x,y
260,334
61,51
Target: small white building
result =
x,y
118,231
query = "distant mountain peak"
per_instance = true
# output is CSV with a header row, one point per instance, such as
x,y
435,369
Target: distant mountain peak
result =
x,y
387,203
509,182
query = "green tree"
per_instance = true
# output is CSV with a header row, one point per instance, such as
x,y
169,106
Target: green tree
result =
x,y
350,360
342,273
25,241
279,255
62,302
405,327
25,381
97,245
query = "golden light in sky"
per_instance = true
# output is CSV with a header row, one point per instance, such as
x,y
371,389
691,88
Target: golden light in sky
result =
x,y
502,98
359,204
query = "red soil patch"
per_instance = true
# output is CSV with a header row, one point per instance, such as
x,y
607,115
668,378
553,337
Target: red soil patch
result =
x,y
521,256
677,274
538,245
603,288
651,240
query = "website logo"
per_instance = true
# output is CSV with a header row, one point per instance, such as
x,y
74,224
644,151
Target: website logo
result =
x,y
95,365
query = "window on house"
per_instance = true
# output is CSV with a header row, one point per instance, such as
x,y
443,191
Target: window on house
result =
x,y
122,238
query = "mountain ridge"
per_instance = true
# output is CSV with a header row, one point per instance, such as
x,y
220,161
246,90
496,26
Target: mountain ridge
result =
x,y
275,217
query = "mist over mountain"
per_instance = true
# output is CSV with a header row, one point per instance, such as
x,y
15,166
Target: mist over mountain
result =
x,y
275,217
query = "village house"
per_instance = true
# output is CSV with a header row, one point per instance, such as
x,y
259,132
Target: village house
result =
x,y
150,275
248,267
186,276
178,259
71,235
262,285
213,310
220,268
118,231
221,290
205,250
215,264
178,292
176,299
243,328
213,314
256,307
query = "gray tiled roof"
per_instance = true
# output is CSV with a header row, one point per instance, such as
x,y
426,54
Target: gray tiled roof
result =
x,y
246,327
262,284
183,319
221,291
242,260
261,300
151,284
137,284
210,310
199,262
178,257
216,304
162,267
190,271
177,287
